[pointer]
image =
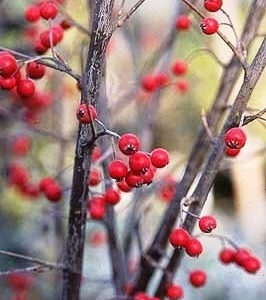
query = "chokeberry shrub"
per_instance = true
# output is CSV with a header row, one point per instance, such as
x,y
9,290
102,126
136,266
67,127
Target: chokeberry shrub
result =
x,y
116,117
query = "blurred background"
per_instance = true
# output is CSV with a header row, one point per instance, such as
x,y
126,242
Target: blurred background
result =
x,y
42,143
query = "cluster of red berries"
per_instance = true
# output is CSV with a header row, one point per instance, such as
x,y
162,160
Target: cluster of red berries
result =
x,y
46,10
241,257
51,189
20,284
142,165
210,25
235,139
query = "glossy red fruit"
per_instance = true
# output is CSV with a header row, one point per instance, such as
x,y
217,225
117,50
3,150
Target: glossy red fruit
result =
x,y
65,24
112,196
95,177
117,170
235,138
25,88
7,83
48,10
179,67
227,256
179,237
241,255
96,154
53,192
134,179
139,162
21,145
129,143
32,13
35,70
252,264
45,182
198,278
149,83
18,175
174,292
213,5
20,282
194,247
97,208
123,186
167,189
207,224
59,32
162,79
159,157
45,38
209,26
183,22
39,48
182,86
86,113
148,176
231,152
8,65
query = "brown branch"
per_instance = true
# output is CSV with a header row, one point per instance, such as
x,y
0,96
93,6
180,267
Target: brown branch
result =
x,y
252,118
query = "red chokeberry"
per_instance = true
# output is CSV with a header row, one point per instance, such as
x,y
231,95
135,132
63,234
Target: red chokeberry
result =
x,y
209,26
183,22
159,158
35,70
213,5
179,67
194,247
139,162
227,255
179,237
207,224
197,278
25,88
112,196
48,10
86,113
174,292
235,138
129,143
32,13
117,170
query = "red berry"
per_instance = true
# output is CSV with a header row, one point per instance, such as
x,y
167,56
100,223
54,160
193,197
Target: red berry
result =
x,y
25,88
65,24
97,238
207,224
213,5
59,32
95,177
21,145
174,292
198,278
183,22
235,138
46,182
35,70
45,38
194,247
53,192
18,175
209,26
20,282
139,162
159,158
96,154
161,79
251,264
7,83
182,86
86,113
134,179
141,296
97,208
112,196
8,65
179,67
48,10
231,151
123,186
227,256
148,176
179,237
32,13
39,48
241,255
117,170
149,83
129,143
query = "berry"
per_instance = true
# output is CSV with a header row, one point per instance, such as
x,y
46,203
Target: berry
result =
x,y
139,162
141,296
194,247
235,138
207,224
8,65
149,83
7,83
20,281
25,88
59,32
112,196
148,176
134,179
197,278
65,24
159,158
86,113
161,79
123,186
227,256
21,145
45,38
182,86
251,264
45,182
18,175
95,177
39,48
35,70
174,292
179,67
241,255
231,151
96,154
209,26
48,10
179,237
97,208
53,192
183,22
32,13
117,170
129,144
213,5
